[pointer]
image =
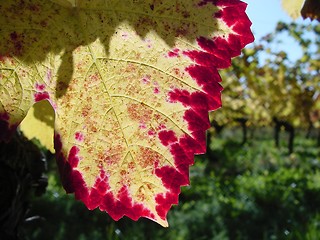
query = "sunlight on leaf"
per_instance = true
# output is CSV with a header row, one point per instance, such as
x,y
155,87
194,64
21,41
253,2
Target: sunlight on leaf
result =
x,y
131,83
39,124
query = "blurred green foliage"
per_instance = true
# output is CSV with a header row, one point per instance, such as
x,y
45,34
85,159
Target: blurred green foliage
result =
x,y
250,191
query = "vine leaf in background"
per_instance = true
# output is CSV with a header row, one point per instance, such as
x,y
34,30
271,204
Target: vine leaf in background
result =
x,y
292,7
305,8
131,83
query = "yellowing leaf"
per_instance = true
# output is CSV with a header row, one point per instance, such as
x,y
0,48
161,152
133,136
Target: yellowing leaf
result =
x,y
292,7
305,8
39,124
131,83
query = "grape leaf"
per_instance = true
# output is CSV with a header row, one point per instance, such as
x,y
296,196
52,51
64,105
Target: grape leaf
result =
x,y
305,8
292,7
131,83
39,124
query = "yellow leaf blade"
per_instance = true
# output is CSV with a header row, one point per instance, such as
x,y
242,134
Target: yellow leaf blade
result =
x,y
131,83
39,124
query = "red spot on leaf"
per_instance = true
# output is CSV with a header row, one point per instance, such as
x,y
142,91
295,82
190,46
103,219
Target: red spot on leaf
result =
x,y
41,96
156,90
151,133
40,87
142,125
146,79
177,71
174,53
79,136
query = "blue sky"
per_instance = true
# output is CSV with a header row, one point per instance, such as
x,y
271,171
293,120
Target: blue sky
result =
x,y
264,15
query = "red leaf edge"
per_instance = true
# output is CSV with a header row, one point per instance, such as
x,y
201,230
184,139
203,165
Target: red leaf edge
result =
x,y
216,54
